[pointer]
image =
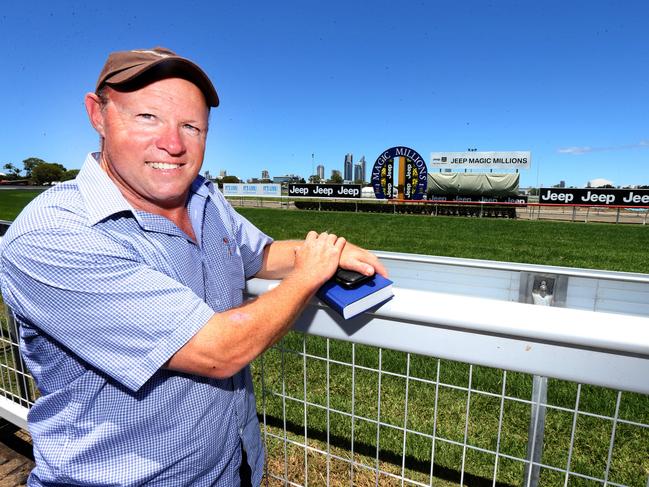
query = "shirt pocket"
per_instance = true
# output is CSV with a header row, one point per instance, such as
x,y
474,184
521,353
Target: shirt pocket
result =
x,y
226,279
234,263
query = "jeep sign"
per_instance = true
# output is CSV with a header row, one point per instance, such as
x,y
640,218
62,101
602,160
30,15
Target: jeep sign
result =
x,y
595,196
325,190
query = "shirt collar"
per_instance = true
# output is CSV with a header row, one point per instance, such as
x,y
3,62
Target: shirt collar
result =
x,y
202,187
103,198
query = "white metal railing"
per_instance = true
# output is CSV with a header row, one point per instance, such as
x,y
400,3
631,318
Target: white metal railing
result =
x,y
454,383
606,349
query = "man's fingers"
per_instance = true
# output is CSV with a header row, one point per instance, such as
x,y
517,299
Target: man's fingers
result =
x,y
359,260
380,268
359,266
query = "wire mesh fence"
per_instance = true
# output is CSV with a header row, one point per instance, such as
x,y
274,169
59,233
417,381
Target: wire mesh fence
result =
x,y
17,385
339,413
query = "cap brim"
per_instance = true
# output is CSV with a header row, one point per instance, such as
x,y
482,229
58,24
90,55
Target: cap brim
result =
x,y
176,66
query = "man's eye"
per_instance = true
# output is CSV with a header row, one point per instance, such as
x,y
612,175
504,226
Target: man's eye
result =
x,y
192,128
146,116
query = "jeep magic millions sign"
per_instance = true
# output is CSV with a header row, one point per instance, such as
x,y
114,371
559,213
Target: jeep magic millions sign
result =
x,y
410,168
481,160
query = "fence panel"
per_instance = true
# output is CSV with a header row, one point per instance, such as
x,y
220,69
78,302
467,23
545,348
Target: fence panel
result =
x,y
340,413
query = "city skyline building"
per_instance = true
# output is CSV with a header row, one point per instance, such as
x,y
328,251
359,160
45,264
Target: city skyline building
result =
x,y
358,172
348,167
351,172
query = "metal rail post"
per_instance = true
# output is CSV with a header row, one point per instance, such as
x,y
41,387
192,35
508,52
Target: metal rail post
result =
x,y
542,290
536,431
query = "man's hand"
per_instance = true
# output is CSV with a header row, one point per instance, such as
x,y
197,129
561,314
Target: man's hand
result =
x,y
360,260
317,258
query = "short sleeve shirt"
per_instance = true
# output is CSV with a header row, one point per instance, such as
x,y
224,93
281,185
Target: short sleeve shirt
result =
x,y
105,295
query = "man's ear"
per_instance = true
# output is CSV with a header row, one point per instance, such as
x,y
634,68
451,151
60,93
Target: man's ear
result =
x,y
95,113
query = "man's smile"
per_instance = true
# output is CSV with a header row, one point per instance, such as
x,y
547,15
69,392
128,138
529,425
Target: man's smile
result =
x,y
164,165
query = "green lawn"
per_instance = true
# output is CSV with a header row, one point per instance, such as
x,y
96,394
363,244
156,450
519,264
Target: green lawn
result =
x,y
12,201
585,245
598,246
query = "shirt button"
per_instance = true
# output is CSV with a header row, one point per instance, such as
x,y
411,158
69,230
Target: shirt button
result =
x,y
240,431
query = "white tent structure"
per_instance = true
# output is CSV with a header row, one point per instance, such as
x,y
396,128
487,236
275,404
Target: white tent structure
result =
x,y
599,182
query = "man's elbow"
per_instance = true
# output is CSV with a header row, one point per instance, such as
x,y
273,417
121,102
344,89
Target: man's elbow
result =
x,y
225,371
205,364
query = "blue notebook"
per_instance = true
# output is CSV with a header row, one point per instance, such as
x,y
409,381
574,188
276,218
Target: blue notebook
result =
x,y
351,302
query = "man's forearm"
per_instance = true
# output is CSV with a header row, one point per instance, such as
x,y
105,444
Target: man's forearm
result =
x,y
279,259
231,339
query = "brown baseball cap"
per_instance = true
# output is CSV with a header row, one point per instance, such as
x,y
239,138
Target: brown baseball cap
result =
x,y
124,67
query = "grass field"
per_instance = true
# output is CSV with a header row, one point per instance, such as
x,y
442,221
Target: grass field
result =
x,y
12,201
585,245
598,246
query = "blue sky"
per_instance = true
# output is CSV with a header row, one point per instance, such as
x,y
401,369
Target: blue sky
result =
x,y
568,81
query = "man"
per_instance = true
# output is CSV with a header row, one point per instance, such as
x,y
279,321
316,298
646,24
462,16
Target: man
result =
x,y
127,284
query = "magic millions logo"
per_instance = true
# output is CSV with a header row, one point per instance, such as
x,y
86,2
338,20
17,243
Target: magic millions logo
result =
x,y
411,170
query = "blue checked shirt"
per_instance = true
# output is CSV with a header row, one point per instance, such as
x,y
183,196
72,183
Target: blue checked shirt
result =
x,y
105,295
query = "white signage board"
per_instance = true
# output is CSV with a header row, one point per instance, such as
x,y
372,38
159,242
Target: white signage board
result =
x,y
481,160
231,189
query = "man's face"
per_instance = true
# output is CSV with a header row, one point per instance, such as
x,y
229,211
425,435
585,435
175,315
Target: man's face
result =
x,y
154,142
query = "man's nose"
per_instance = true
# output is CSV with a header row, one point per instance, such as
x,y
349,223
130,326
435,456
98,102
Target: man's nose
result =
x,y
171,141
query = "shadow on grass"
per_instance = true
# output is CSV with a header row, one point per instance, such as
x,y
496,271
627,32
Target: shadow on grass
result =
x,y
413,463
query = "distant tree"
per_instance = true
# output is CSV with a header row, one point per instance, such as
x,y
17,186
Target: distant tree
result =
x,y
265,181
358,181
336,178
47,172
14,172
69,174
302,181
30,163
643,186
314,179
230,179
534,191
607,186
